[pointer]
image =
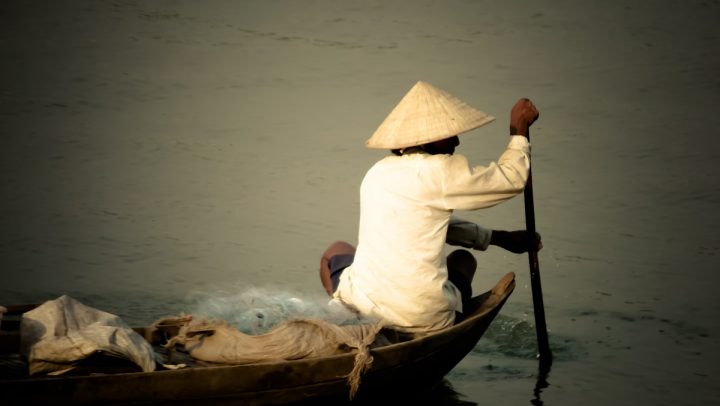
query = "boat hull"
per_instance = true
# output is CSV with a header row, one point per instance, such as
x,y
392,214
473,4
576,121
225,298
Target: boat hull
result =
x,y
395,368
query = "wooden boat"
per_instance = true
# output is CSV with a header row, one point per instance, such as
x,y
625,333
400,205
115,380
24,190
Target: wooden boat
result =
x,y
417,363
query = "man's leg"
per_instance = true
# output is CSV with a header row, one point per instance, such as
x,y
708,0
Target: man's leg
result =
x,y
336,248
461,266
464,262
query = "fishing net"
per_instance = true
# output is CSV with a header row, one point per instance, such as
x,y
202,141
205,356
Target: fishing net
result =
x,y
219,342
256,324
256,310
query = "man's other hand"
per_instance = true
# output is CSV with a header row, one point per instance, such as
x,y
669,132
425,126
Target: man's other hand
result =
x,y
518,241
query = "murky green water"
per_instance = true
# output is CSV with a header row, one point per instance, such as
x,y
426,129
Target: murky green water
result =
x,y
154,153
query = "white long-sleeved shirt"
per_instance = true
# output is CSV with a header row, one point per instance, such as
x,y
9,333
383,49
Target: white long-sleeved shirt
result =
x,y
399,272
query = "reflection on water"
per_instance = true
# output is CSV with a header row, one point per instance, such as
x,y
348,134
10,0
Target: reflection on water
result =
x,y
440,394
541,384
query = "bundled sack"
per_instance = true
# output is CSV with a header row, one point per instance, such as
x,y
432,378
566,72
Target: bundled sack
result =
x,y
219,342
60,333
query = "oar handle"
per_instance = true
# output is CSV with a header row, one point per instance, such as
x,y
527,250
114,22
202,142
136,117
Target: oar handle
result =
x,y
538,306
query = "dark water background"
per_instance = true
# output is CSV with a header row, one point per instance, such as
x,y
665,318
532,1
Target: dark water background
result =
x,y
155,153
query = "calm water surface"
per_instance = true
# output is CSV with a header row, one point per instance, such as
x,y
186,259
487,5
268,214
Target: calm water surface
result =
x,y
157,154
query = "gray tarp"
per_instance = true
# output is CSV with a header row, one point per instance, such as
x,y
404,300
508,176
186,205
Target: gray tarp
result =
x,y
61,332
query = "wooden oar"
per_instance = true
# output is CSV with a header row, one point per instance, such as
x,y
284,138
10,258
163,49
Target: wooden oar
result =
x,y
542,337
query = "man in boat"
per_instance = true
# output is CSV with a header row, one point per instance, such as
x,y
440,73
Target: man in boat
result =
x,y
398,272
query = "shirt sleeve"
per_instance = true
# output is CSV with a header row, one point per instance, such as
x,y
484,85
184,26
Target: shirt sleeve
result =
x,y
468,234
471,188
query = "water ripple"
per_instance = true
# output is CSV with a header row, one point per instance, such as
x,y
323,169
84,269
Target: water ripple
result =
x,y
516,338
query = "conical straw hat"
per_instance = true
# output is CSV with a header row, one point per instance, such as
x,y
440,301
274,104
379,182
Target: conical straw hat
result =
x,y
426,114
